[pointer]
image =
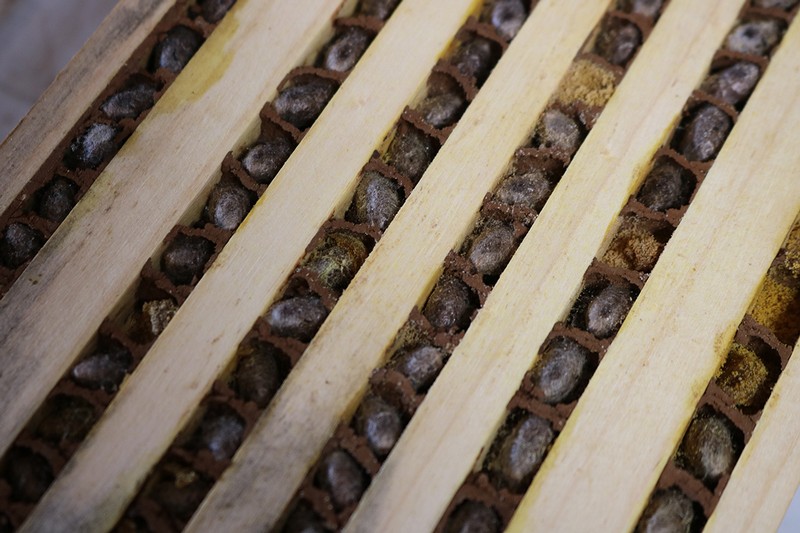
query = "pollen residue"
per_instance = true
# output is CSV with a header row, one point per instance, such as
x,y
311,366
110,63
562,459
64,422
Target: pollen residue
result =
x,y
743,375
792,259
586,82
633,247
777,307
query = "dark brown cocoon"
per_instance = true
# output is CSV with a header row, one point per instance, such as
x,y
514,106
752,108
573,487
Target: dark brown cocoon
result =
x,y
344,51
449,305
473,517
708,448
558,131
299,317
301,103
421,365
646,8
442,110
341,476
492,248
530,189
775,4
303,520
561,369
380,424
176,49
56,199
618,41
377,8
756,37
705,133
93,146
669,511
221,432
257,376
475,58
105,369
28,473
410,152
522,451
19,244
606,311
185,257
734,83
666,187
130,102
67,418
377,200
507,17
227,205
214,10
263,161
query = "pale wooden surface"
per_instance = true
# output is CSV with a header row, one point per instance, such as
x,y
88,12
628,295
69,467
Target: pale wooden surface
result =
x,y
467,403
60,107
56,306
332,375
603,467
322,172
765,477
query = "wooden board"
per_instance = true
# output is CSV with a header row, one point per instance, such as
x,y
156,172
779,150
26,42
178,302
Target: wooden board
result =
x,y
332,375
27,147
181,366
467,403
765,477
56,306
635,409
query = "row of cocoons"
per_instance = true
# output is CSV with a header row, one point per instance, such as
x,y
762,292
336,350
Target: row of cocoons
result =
x,y
334,486
692,483
277,340
569,357
340,251
79,399
55,189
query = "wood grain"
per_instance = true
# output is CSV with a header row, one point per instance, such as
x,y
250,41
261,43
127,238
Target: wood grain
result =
x,y
172,379
61,106
332,375
635,409
171,160
467,403
765,478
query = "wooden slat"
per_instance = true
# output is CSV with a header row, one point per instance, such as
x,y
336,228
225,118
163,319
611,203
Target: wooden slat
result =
x,y
164,391
25,149
167,164
632,415
766,476
467,403
332,375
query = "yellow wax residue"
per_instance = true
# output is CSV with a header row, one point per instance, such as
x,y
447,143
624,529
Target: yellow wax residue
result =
x,y
777,307
743,375
586,82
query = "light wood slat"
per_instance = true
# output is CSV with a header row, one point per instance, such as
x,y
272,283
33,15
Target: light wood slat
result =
x,y
766,476
166,165
633,413
162,394
332,375
25,149
467,403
